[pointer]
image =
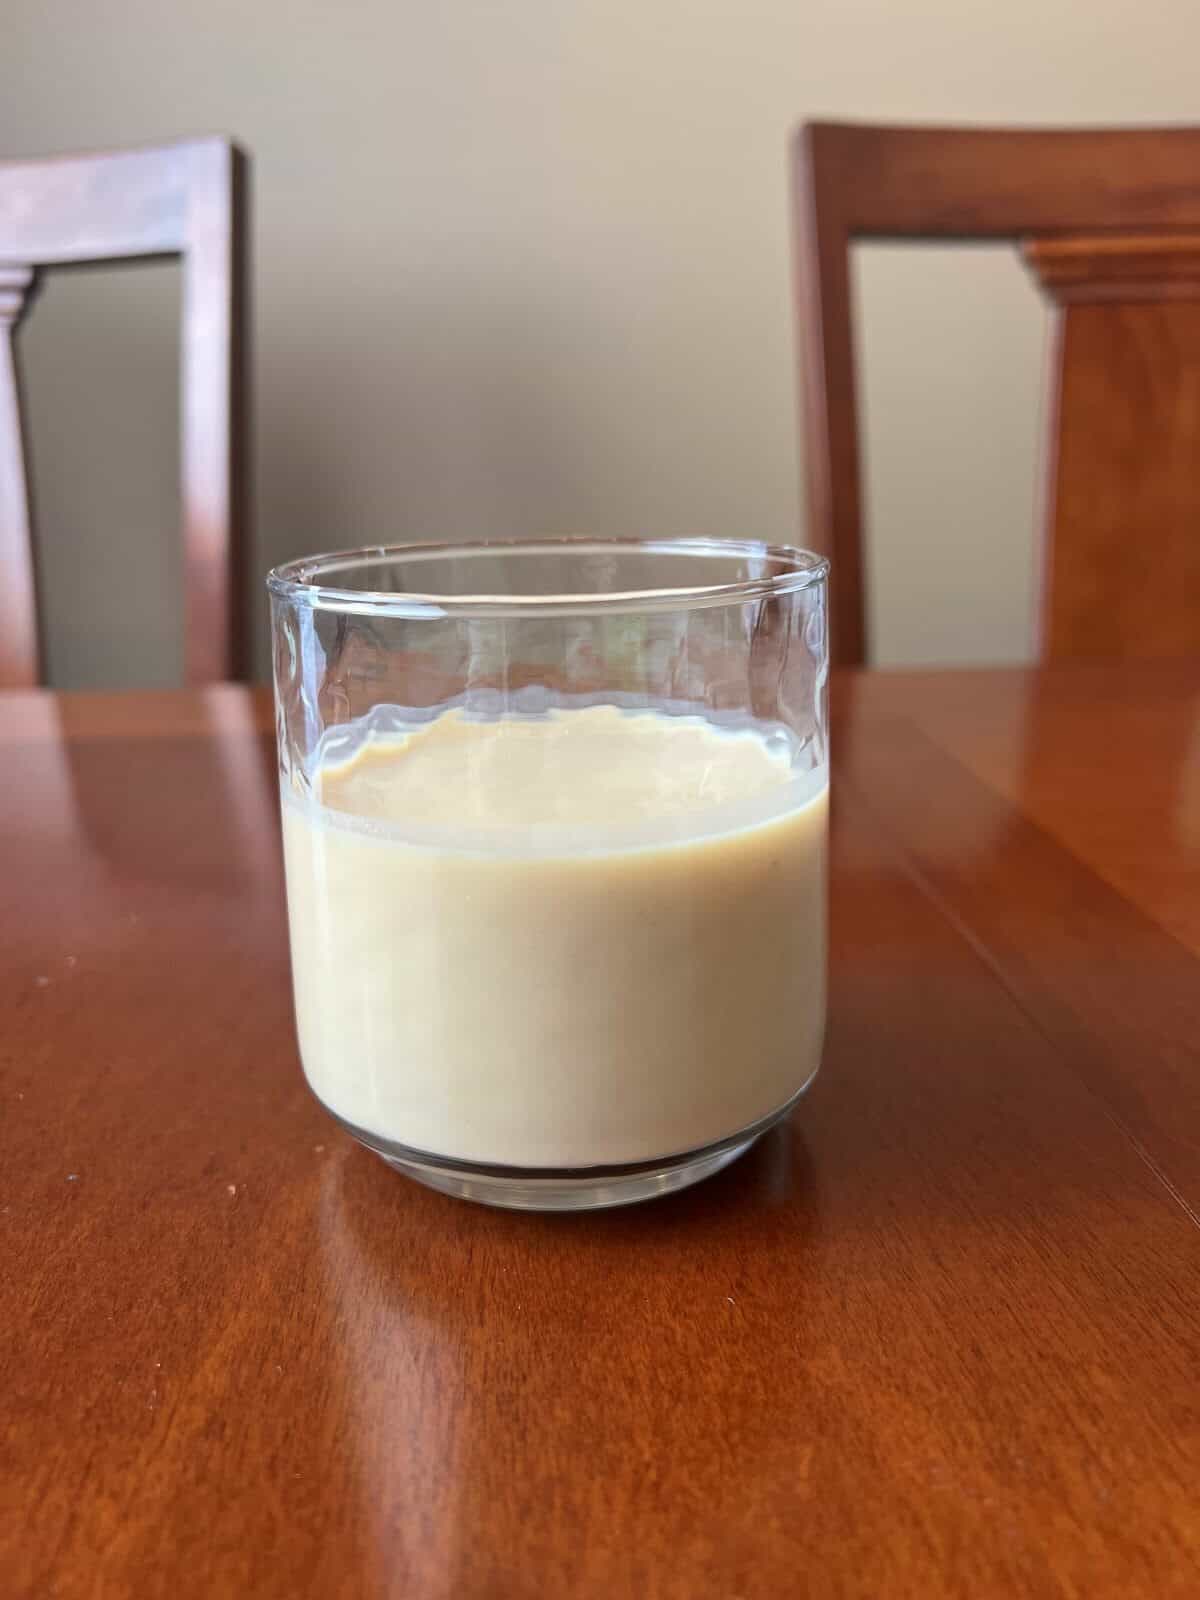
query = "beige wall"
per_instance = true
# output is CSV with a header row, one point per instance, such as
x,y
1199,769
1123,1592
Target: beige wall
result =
x,y
523,268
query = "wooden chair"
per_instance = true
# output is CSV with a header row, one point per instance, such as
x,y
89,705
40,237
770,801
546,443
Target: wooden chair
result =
x,y
1109,223
185,199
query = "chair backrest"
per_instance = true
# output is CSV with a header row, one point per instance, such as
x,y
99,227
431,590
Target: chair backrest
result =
x,y
1109,223
188,200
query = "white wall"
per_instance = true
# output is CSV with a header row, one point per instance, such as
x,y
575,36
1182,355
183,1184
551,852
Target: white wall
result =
x,y
523,267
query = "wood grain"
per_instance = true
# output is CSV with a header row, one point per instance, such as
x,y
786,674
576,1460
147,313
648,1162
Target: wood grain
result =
x,y
187,199
1109,220
938,1336
1125,460
1100,976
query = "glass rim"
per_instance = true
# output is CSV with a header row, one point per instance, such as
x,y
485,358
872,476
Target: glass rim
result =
x,y
301,581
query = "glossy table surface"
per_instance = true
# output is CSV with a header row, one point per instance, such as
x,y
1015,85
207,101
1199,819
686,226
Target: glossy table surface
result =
x,y
938,1336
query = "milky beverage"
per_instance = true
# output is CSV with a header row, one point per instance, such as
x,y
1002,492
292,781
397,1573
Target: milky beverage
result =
x,y
584,938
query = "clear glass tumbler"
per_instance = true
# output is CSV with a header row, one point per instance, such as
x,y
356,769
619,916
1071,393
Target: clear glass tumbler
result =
x,y
554,820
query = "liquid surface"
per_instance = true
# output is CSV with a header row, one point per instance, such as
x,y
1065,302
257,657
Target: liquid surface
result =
x,y
582,939
595,767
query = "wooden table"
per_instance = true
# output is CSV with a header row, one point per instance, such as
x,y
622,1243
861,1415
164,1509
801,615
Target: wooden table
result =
x,y
937,1337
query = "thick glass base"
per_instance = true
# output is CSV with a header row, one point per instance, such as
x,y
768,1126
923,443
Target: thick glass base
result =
x,y
568,1189
581,1191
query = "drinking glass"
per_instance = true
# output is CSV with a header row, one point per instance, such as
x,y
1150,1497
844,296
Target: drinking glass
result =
x,y
554,819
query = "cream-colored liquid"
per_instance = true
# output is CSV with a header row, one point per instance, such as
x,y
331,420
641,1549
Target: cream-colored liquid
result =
x,y
589,938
